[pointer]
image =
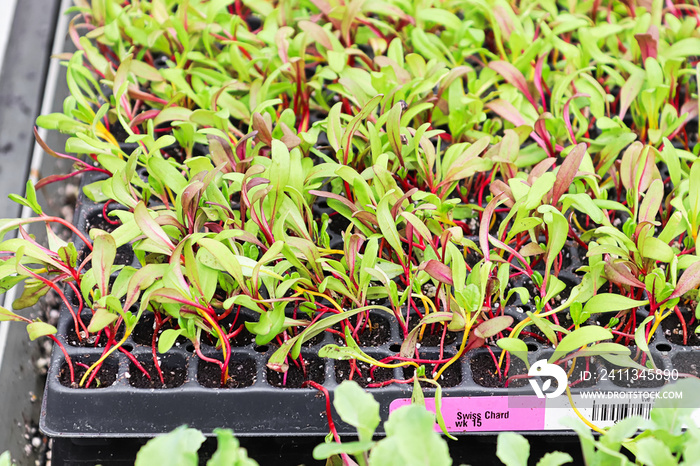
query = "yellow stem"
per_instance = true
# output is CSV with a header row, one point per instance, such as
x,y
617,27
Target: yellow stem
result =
x,y
331,251
321,295
578,413
104,356
465,337
426,304
516,331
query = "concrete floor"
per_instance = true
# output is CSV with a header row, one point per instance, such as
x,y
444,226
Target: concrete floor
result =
x,y
26,39
7,13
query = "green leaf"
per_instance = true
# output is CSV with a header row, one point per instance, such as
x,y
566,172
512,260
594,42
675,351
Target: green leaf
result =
x,y
228,451
103,254
357,408
40,329
32,292
555,458
152,229
578,338
326,450
609,302
512,449
388,226
688,281
5,459
630,90
167,339
516,347
410,440
178,448
654,452
100,319
557,229
639,334
167,173
355,123
7,315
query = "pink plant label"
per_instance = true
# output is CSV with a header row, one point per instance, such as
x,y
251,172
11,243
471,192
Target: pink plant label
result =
x,y
486,413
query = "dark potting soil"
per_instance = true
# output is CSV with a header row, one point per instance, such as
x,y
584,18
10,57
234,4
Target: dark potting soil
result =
x,y
473,257
94,340
451,377
293,331
173,375
565,321
564,261
124,256
230,324
106,375
673,330
242,373
687,363
97,220
484,371
143,332
295,377
372,333
380,374
556,300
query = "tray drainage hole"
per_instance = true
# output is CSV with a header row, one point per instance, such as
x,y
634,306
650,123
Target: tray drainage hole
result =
x,y
261,348
189,348
532,347
128,347
663,347
395,347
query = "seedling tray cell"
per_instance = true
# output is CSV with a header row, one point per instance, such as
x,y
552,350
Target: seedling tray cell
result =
x,y
261,402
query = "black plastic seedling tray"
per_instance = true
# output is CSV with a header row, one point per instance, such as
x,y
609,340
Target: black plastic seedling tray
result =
x,y
259,406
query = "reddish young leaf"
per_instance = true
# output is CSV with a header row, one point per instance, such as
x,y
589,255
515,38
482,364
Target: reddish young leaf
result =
x,y
688,281
514,77
630,90
567,171
438,271
493,326
648,43
652,202
337,197
617,273
151,228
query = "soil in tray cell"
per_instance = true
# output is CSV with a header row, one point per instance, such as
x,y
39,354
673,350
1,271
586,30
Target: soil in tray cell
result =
x,y
314,369
173,367
432,335
373,332
92,340
485,373
450,377
380,374
97,220
231,324
687,363
105,377
143,333
241,370
673,329
125,256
